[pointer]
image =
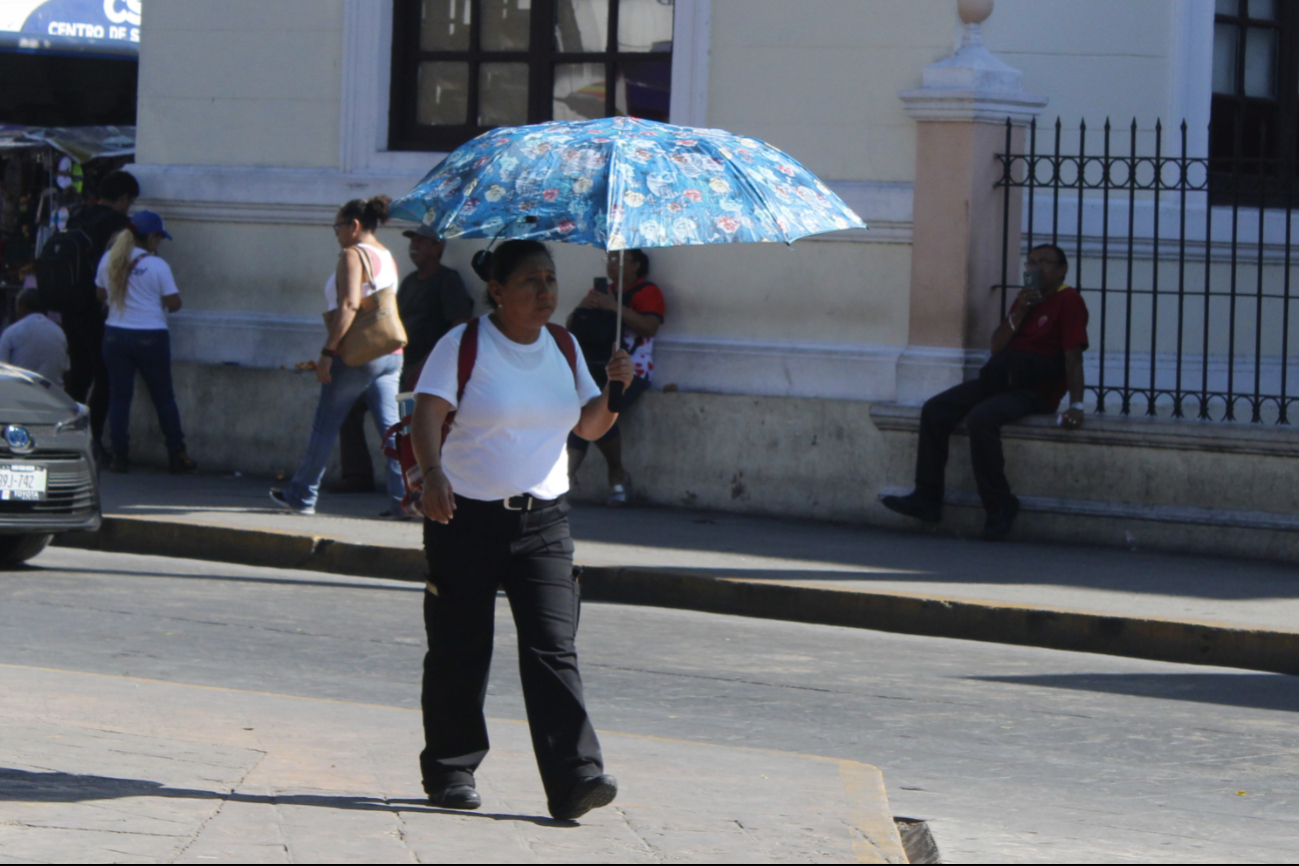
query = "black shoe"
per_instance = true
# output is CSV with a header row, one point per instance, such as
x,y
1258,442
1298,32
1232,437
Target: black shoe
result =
x,y
119,462
180,463
1000,521
589,793
351,486
462,797
914,505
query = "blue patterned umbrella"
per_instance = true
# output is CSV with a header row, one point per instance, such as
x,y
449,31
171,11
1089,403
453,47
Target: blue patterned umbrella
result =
x,y
621,183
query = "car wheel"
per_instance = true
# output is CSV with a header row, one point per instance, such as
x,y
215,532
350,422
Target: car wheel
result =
x,y
17,549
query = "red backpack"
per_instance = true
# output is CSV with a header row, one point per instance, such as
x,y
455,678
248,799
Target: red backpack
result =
x,y
397,443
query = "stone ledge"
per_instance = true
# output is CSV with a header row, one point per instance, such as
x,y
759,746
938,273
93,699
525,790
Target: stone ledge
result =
x,y
1156,433
1182,514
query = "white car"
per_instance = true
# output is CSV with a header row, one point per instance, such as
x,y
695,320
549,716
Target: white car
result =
x,y
48,477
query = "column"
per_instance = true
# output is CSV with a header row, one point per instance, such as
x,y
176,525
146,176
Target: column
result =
x,y
960,115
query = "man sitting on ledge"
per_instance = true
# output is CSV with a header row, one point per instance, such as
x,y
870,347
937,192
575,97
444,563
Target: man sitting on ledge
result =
x,y
1036,356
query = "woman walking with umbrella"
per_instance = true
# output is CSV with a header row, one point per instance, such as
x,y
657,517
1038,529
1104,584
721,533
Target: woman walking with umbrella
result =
x,y
512,387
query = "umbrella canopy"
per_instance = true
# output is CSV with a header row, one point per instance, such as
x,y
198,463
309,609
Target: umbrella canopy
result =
x,y
623,183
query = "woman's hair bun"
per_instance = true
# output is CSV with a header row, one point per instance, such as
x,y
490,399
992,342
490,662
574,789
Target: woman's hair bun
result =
x,y
370,213
377,208
482,265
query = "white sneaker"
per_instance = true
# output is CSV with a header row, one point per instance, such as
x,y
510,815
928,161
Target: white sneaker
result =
x,y
619,494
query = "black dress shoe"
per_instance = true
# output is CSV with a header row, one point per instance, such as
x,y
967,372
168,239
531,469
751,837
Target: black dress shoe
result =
x,y
589,793
1000,521
456,797
914,505
351,486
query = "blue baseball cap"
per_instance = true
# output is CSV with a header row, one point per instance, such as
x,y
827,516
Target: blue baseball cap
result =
x,y
146,222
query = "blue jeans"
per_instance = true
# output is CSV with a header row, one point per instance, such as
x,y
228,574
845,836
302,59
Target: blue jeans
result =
x,y
378,381
125,351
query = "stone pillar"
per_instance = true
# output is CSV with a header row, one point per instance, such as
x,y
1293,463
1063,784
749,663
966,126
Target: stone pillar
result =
x,y
960,115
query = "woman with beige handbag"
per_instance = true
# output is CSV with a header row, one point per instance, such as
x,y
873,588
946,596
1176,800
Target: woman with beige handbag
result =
x,y
362,352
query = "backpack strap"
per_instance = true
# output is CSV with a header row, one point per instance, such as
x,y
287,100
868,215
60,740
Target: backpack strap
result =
x,y
567,345
465,361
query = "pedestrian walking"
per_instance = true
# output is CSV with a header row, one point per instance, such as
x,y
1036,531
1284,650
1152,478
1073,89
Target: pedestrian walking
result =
x,y
33,342
140,290
513,387
365,268
432,300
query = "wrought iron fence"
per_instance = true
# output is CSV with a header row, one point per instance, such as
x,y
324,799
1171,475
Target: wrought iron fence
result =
x,y
1185,264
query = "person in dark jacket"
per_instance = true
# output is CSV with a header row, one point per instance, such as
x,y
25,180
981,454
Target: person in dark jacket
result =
x,y
431,301
83,324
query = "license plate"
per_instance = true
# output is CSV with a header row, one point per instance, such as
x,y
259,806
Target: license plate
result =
x,y
22,483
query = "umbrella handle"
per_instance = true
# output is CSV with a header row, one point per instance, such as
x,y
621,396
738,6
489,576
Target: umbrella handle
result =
x,y
616,388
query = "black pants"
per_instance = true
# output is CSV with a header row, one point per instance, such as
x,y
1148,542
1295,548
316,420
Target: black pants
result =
x,y
353,452
530,555
87,376
984,415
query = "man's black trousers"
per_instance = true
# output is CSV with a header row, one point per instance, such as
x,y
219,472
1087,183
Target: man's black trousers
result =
x,y
530,555
87,376
984,412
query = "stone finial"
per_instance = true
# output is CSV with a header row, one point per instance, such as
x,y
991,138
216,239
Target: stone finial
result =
x,y
972,84
974,11
972,14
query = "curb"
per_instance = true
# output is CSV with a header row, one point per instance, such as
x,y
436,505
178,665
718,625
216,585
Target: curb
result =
x,y
1183,641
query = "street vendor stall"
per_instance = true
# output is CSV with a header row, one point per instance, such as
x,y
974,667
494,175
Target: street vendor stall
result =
x,y
46,173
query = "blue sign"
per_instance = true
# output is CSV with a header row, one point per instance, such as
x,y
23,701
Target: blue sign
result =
x,y
81,26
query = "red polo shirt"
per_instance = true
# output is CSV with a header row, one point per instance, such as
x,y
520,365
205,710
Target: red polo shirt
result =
x,y
1057,324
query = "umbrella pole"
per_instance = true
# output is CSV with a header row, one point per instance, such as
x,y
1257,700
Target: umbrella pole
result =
x,y
616,388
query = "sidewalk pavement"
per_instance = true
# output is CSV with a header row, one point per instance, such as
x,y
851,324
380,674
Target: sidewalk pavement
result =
x,y
1220,611
122,769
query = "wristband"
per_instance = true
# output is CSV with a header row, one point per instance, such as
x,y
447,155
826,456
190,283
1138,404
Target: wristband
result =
x,y
1081,407
328,352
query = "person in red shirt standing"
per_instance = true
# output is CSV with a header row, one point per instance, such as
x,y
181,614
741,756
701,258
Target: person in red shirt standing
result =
x,y
642,316
1036,357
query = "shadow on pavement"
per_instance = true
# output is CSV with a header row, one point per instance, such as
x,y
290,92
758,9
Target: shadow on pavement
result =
x,y
343,582
1256,691
56,787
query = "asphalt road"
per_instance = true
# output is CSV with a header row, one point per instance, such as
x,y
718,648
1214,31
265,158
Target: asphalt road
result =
x,y
1011,753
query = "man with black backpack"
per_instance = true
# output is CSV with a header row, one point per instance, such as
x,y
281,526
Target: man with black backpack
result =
x,y
65,275
1036,358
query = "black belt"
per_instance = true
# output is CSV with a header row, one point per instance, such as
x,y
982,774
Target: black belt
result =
x,y
526,503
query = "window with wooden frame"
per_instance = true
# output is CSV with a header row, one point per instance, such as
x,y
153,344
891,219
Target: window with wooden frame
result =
x,y
462,67
1255,109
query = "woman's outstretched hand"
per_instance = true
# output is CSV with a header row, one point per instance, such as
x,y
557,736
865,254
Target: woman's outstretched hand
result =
x,y
437,500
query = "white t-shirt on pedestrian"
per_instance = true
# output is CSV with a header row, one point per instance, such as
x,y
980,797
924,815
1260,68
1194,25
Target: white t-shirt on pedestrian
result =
x,y
37,344
511,429
383,269
150,281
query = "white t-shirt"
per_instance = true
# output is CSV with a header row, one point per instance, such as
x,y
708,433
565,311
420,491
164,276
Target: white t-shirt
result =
x,y
150,281
511,430
385,277
35,343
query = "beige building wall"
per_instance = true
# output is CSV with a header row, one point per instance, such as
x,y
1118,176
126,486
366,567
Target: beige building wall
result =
x,y
258,118
240,82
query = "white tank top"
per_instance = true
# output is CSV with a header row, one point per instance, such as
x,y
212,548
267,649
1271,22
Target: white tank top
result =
x,y
385,276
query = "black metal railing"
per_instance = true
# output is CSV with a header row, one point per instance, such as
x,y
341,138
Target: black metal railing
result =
x,y
1184,261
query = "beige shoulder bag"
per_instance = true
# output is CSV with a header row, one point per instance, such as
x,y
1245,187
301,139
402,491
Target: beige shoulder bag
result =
x,y
376,330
